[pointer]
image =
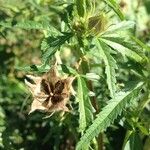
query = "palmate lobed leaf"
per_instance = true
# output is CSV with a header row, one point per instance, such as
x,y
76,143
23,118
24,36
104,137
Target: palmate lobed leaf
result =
x,y
110,65
108,115
127,46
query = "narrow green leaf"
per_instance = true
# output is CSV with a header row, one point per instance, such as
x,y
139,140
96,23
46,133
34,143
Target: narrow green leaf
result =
x,y
80,4
51,44
28,24
91,76
116,8
134,142
68,70
6,24
2,126
108,115
110,63
125,47
126,140
143,129
34,68
119,27
80,96
140,43
85,106
2,35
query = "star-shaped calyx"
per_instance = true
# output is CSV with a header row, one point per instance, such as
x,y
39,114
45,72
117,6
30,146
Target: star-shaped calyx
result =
x,y
50,92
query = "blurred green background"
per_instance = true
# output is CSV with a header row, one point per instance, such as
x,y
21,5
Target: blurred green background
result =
x,y
18,48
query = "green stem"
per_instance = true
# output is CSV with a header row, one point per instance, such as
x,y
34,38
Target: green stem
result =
x,y
127,136
85,69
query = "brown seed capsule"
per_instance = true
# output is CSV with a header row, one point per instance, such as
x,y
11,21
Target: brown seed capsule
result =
x,y
50,92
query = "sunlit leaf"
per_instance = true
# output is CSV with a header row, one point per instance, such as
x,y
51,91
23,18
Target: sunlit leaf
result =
x,y
51,44
120,27
80,4
107,115
125,47
115,7
110,65
85,107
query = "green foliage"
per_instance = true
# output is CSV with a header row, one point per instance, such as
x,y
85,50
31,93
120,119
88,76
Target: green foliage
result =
x,y
51,44
27,24
110,64
105,45
134,142
80,4
85,107
115,7
107,115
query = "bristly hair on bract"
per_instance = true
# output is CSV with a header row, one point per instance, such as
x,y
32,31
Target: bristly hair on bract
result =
x,y
50,92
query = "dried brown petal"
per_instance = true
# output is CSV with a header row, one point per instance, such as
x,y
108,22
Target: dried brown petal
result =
x,y
36,105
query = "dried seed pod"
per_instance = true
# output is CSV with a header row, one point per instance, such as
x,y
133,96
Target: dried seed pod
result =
x,y
50,91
